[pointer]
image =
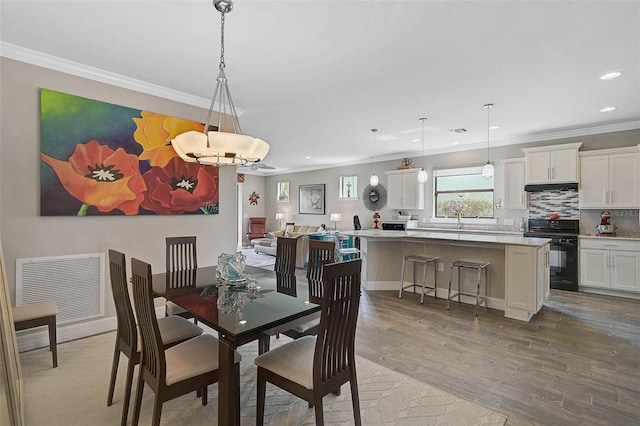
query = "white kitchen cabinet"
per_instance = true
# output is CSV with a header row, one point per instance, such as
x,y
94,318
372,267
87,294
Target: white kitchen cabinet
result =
x,y
610,264
404,192
610,179
513,184
552,164
527,280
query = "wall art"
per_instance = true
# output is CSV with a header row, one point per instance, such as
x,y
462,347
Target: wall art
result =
x,y
104,159
312,199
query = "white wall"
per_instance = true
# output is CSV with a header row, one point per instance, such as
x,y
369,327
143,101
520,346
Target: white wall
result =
x,y
26,234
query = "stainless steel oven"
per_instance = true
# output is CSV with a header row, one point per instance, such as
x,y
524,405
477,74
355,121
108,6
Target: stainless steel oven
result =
x,y
563,256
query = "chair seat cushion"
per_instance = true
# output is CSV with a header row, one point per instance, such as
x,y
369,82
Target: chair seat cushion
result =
x,y
174,329
34,310
304,328
192,358
173,309
293,361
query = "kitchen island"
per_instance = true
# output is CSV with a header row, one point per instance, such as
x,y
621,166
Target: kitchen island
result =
x,y
518,270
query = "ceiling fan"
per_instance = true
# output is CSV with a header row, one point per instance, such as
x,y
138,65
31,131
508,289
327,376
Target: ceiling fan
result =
x,y
258,165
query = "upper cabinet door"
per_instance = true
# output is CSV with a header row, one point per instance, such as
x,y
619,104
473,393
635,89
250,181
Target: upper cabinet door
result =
x,y
513,184
610,180
564,166
594,181
624,181
538,167
404,192
552,164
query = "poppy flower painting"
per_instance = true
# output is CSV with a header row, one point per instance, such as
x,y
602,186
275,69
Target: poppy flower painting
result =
x,y
105,159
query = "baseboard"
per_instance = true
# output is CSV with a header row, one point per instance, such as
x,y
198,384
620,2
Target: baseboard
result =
x,y
39,338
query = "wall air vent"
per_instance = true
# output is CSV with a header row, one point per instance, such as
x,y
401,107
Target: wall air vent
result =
x,y
459,130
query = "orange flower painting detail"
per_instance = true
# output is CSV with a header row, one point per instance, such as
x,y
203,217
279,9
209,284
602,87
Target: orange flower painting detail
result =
x,y
154,133
101,177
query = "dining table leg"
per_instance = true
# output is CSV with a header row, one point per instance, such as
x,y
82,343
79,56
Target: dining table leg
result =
x,y
228,386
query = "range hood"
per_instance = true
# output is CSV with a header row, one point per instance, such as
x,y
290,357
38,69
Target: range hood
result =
x,y
551,187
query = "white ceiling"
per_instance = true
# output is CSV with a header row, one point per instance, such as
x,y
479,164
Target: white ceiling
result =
x,y
313,77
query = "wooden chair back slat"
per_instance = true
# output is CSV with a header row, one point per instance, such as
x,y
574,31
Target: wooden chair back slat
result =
x,y
286,255
127,335
320,254
181,253
152,361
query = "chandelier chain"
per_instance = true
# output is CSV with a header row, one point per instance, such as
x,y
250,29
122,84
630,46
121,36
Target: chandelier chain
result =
x,y
221,66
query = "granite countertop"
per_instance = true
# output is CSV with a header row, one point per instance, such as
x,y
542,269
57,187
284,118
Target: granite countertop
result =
x,y
452,236
617,237
466,230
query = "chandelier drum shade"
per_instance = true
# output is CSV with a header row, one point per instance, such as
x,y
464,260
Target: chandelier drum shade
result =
x,y
222,142
487,170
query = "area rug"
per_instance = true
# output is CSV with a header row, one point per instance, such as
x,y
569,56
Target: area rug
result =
x,y
75,393
259,260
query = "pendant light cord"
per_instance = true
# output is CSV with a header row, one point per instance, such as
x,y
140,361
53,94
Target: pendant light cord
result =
x,y
374,149
488,107
423,119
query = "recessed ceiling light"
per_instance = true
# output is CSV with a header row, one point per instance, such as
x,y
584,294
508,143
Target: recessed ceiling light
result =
x,y
610,75
307,158
608,109
415,140
494,127
456,143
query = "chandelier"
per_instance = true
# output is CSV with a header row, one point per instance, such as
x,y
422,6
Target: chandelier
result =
x,y
223,144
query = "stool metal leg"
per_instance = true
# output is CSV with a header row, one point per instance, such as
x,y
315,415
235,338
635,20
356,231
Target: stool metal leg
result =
x,y
449,291
478,292
459,273
404,265
424,280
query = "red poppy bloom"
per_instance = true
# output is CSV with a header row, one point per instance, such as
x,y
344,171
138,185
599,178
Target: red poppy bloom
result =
x,y
180,187
101,177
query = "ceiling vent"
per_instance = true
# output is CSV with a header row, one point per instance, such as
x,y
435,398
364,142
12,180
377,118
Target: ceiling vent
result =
x,y
459,130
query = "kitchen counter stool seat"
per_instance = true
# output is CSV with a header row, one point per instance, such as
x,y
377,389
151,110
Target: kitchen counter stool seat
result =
x,y
426,261
479,267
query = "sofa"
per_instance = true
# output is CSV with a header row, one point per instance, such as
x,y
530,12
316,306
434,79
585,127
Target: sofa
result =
x,y
268,245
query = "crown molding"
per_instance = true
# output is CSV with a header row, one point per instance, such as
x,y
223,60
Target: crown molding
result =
x,y
33,57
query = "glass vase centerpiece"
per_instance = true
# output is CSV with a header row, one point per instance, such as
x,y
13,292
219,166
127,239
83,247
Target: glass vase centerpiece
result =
x,y
230,269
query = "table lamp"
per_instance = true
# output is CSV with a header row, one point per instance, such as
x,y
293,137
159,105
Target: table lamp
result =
x,y
280,218
335,217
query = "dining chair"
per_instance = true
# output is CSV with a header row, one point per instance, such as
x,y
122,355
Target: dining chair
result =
x,y
320,254
170,372
286,255
286,284
314,366
173,329
180,255
39,314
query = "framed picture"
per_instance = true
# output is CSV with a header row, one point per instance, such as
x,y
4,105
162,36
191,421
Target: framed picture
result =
x,y
312,199
283,192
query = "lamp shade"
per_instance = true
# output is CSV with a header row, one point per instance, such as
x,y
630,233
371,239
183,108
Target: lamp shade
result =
x,y
423,176
279,216
336,217
373,180
487,170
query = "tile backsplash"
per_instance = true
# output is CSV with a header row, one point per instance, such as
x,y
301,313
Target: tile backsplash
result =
x,y
626,221
563,203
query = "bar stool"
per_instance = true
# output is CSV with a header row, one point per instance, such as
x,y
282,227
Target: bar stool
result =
x,y
478,266
426,261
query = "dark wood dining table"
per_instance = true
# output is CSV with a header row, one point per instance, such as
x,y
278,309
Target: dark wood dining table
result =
x,y
242,316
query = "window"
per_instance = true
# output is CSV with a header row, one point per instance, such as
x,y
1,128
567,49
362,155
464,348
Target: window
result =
x,y
463,192
348,187
283,192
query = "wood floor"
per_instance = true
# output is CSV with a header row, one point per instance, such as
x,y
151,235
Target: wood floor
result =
x,y
577,362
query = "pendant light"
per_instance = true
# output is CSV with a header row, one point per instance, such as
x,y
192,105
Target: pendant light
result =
x,y
487,170
226,145
423,176
373,180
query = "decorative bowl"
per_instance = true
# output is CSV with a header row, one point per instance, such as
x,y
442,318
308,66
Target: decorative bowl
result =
x,y
554,216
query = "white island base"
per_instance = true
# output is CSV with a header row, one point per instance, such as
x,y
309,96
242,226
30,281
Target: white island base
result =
x,y
518,270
